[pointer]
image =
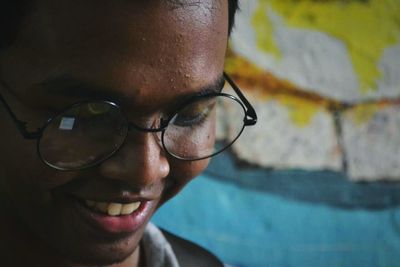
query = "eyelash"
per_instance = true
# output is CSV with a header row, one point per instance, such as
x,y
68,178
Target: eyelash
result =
x,y
198,120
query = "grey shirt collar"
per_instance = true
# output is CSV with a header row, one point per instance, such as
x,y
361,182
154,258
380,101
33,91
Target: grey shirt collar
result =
x,y
158,251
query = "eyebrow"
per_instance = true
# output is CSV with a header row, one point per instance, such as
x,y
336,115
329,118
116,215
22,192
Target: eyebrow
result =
x,y
214,87
69,86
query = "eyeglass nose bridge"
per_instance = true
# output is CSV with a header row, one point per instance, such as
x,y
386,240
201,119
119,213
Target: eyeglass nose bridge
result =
x,y
134,127
163,123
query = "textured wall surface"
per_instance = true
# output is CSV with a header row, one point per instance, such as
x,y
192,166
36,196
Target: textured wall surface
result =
x,y
316,181
325,77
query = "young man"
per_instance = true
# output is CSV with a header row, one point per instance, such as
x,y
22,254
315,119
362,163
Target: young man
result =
x,y
107,109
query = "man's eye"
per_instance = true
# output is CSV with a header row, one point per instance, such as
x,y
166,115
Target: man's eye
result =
x,y
193,115
98,108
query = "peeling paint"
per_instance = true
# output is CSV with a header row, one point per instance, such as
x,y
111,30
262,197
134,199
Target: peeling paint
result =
x,y
265,31
367,28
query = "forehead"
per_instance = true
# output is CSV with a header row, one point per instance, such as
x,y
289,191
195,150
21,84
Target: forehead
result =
x,y
139,47
151,26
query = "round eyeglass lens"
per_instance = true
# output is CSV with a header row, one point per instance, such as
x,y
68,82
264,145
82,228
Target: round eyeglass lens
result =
x,y
83,135
204,127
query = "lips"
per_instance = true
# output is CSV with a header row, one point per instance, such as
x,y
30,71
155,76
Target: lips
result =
x,y
107,207
98,217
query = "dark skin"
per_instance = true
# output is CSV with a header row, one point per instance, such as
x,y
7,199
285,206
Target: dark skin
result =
x,y
149,55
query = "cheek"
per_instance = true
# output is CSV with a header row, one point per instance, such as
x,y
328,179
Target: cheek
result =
x,y
182,173
17,155
22,174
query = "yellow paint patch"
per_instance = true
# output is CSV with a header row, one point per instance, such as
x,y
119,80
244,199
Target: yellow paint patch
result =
x,y
301,111
265,31
367,28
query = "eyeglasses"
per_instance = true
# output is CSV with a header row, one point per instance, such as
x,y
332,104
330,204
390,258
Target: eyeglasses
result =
x,y
87,133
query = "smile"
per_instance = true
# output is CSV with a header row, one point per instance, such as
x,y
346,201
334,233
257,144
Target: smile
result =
x,y
113,217
111,208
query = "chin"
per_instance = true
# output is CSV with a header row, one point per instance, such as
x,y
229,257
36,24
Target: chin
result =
x,y
98,255
93,250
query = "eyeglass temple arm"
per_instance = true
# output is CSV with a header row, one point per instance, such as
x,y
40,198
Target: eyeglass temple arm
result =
x,y
21,125
251,115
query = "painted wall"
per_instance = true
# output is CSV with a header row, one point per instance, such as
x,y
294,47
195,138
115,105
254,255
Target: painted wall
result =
x,y
315,182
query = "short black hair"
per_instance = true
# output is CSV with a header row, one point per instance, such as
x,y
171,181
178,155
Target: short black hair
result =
x,y
12,13
233,7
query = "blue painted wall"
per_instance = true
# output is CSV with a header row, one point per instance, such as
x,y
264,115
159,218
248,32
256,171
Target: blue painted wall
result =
x,y
256,227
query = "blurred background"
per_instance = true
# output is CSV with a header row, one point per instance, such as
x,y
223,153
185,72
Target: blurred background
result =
x,y
316,181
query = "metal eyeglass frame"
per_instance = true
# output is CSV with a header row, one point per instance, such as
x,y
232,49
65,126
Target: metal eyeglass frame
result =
x,y
250,118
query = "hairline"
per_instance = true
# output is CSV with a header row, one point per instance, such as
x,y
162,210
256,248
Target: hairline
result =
x,y
11,18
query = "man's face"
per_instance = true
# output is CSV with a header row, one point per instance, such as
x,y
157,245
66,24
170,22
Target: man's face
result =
x,y
149,55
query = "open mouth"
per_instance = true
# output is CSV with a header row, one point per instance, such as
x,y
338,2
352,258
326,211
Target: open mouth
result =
x,y
108,209
113,217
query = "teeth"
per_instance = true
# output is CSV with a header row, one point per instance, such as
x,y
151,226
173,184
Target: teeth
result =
x,y
113,209
129,208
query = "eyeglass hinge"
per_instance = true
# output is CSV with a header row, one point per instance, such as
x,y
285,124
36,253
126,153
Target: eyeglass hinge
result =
x,y
250,121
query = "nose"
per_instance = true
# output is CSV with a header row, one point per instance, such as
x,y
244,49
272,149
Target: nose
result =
x,y
141,161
